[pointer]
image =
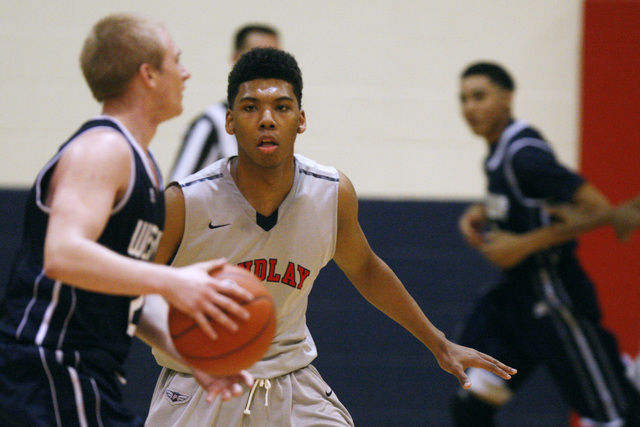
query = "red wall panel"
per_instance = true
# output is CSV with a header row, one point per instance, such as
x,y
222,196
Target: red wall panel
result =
x,y
610,154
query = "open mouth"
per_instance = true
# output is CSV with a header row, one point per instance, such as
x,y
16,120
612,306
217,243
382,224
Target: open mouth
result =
x,y
267,146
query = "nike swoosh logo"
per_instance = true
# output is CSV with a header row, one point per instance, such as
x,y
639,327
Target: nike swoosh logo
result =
x,y
328,393
212,226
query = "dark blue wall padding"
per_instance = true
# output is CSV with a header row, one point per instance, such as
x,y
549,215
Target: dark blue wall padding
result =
x,y
382,374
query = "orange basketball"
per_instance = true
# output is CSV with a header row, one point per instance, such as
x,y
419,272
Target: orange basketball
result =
x,y
232,351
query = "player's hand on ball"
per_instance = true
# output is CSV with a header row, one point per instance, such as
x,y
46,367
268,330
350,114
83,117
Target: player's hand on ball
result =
x,y
233,351
455,359
226,387
205,298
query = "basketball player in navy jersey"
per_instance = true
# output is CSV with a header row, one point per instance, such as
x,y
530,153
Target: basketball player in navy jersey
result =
x,y
284,217
93,221
545,311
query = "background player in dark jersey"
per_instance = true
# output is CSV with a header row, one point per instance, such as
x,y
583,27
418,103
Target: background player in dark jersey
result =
x,y
93,219
545,311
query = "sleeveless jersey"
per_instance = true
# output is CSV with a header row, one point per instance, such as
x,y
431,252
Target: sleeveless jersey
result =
x,y
93,327
523,175
286,251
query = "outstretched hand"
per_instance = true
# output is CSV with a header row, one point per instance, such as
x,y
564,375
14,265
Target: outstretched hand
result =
x,y
226,387
455,359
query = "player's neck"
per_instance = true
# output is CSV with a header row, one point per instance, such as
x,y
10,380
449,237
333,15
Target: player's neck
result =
x,y
136,118
264,189
494,134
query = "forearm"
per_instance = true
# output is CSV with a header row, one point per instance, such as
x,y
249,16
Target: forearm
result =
x,y
627,214
153,330
546,237
90,266
586,199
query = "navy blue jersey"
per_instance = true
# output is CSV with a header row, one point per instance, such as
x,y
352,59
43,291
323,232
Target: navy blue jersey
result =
x,y
524,176
545,310
93,327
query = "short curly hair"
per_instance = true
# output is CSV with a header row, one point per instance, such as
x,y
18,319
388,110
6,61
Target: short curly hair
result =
x,y
265,63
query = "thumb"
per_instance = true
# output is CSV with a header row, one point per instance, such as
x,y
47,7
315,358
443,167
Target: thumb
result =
x,y
465,382
215,264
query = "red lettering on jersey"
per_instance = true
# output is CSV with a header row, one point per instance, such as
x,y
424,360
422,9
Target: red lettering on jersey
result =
x,y
304,273
260,269
246,265
273,277
266,270
289,277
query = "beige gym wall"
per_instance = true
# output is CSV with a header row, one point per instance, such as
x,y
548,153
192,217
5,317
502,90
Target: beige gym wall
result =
x,y
381,80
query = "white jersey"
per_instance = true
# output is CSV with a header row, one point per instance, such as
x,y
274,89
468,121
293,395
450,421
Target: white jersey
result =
x,y
287,250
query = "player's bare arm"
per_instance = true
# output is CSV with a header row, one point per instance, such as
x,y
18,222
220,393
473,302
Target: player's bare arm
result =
x,y
88,181
382,288
626,218
505,249
90,178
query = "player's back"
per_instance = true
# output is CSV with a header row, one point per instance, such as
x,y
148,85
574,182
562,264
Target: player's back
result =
x,y
48,313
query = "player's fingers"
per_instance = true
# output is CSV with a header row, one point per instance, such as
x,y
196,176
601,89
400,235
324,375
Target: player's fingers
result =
x,y
223,306
219,317
499,364
236,390
231,288
214,264
459,373
495,366
247,378
204,323
225,394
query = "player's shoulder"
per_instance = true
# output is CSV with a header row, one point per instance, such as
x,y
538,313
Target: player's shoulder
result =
x,y
526,140
315,169
211,172
99,144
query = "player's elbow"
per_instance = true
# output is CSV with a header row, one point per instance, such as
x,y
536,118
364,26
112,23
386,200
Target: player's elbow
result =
x,y
56,261
53,266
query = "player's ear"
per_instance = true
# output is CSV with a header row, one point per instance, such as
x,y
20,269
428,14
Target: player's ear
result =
x,y
302,122
147,74
507,97
228,124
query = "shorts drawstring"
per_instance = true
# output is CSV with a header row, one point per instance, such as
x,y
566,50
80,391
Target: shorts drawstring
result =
x,y
266,383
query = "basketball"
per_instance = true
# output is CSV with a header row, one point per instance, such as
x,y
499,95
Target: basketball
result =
x,y
232,351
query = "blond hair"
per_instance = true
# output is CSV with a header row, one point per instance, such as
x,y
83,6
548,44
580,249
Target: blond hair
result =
x,y
114,50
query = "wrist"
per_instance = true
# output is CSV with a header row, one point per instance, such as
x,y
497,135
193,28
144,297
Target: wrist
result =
x,y
163,282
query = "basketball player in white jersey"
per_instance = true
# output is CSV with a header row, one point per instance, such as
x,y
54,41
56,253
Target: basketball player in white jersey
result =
x,y
283,217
